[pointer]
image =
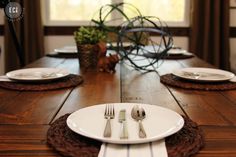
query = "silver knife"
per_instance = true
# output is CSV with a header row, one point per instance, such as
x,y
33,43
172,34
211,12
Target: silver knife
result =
x,y
122,120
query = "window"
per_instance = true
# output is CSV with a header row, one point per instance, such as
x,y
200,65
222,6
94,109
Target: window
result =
x,y
80,12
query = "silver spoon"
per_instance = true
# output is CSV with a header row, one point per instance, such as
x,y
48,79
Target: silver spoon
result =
x,y
139,114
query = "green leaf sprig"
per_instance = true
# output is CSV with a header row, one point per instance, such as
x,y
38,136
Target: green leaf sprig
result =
x,y
89,35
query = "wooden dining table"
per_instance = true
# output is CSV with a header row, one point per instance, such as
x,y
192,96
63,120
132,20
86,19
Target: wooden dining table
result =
x,y
26,116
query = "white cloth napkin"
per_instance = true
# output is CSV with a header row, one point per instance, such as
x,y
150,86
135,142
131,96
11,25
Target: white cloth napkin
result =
x,y
153,149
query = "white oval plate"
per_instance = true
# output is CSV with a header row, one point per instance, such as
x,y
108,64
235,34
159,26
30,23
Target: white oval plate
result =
x,y
37,74
174,52
204,74
67,50
159,123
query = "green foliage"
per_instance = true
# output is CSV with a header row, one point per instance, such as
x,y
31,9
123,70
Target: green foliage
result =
x,y
89,35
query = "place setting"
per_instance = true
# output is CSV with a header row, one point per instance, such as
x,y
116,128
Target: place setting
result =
x,y
39,79
125,130
173,53
64,52
201,79
178,53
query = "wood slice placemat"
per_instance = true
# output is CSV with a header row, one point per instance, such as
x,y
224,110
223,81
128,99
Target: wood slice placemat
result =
x,y
175,81
70,81
187,142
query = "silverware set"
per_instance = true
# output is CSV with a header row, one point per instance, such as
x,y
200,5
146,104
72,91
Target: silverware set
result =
x,y
137,113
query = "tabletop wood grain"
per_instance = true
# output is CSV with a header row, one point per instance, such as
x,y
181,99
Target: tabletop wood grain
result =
x,y
26,116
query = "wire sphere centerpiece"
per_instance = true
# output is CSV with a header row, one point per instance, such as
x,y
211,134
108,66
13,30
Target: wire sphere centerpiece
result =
x,y
141,41
144,52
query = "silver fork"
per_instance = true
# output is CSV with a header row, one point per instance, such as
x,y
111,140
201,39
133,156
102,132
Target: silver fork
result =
x,y
108,114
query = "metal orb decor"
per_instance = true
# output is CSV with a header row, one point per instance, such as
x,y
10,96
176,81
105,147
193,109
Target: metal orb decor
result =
x,y
142,52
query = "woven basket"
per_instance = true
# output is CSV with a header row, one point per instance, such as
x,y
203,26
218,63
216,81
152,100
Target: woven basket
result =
x,y
88,55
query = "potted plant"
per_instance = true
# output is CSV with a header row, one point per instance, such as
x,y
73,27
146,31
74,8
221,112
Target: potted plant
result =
x,y
90,41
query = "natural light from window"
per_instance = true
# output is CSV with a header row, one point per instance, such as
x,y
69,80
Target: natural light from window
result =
x,y
65,11
168,10
75,10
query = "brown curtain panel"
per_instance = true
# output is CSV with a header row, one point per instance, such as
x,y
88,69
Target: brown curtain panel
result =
x,y
29,30
209,37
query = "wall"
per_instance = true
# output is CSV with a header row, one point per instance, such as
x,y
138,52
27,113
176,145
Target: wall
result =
x,y
51,42
1,44
233,40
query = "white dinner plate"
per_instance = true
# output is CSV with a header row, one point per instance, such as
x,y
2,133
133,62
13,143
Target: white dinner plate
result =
x,y
114,44
204,74
177,52
159,123
172,52
37,74
67,50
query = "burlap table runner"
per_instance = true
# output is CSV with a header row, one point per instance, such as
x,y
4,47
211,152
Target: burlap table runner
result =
x,y
175,81
188,141
70,81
